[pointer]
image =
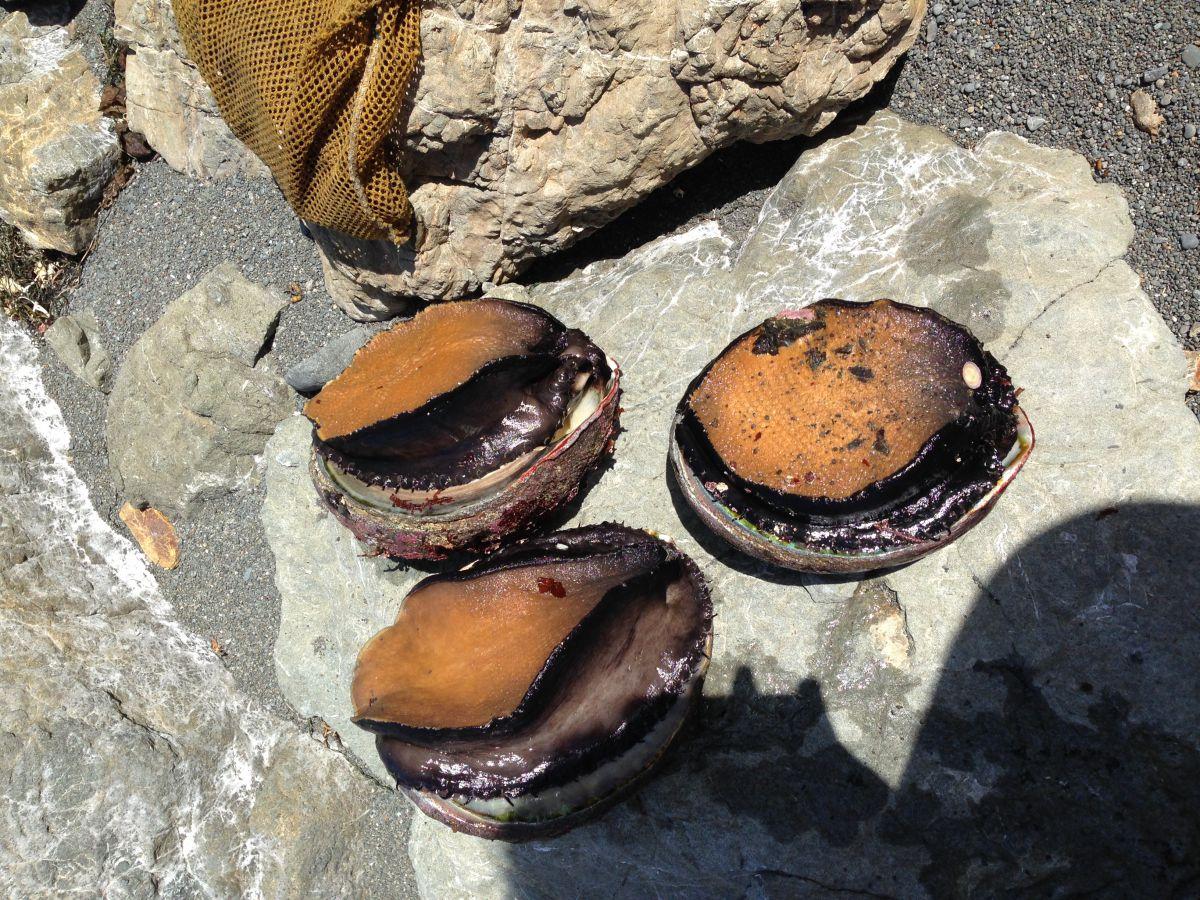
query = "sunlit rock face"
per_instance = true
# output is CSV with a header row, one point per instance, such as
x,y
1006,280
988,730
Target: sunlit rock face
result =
x,y
59,151
533,124
132,765
168,102
197,396
855,735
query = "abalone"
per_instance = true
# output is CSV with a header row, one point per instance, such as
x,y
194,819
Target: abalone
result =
x,y
462,427
518,697
844,437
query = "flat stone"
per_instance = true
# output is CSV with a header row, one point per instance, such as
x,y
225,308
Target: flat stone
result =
x,y
311,374
993,716
337,594
76,340
59,151
197,396
532,125
132,765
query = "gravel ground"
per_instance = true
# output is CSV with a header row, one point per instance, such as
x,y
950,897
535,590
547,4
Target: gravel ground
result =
x,y
162,235
1062,74
1059,73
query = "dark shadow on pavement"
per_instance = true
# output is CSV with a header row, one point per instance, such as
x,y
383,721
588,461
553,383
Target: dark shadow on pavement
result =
x,y
1058,758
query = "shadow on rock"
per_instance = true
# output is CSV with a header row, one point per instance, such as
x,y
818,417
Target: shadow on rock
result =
x,y
1057,758
728,187
46,12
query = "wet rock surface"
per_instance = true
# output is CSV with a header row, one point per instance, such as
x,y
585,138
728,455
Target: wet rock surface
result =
x,y
1004,715
197,396
516,103
132,764
59,151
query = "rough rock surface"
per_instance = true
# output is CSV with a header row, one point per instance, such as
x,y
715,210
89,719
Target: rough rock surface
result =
x,y
168,102
534,124
59,152
334,592
197,396
76,341
132,766
1003,716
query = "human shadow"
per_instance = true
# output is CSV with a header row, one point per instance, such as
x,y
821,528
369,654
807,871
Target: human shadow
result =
x,y
1057,758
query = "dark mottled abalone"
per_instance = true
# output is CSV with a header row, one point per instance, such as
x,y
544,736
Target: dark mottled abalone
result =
x,y
461,427
848,436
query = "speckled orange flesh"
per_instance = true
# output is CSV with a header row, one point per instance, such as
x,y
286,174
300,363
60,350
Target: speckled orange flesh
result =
x,y
834,400
415,361
464,653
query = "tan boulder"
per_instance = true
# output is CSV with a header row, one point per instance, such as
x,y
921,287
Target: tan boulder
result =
x,y
535,123
57,152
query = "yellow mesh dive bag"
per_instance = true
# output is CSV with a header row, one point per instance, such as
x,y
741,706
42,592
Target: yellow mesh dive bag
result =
x,y
315,88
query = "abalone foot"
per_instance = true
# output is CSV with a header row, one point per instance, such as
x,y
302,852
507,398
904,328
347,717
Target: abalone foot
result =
x,y
464,821
518,509
769,548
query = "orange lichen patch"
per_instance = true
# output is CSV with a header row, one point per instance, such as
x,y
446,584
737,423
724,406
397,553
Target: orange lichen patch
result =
x,y
830,401
407,366
463,653
154,533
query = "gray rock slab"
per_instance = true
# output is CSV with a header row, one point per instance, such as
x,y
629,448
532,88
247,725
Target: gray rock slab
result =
x,y
131,764
311,374
988,719
197,396
335,592
75,339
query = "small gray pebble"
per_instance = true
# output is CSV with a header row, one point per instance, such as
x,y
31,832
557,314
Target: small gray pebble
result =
x,y
1189,131
931,30
1189,241
1033,123
1191,56
310,375
1152,75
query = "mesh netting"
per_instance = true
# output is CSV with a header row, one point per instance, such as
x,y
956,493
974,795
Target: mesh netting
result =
x,y
314,87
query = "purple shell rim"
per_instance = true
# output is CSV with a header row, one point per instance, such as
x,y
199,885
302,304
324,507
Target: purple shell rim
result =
x,y
463,821
801,558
